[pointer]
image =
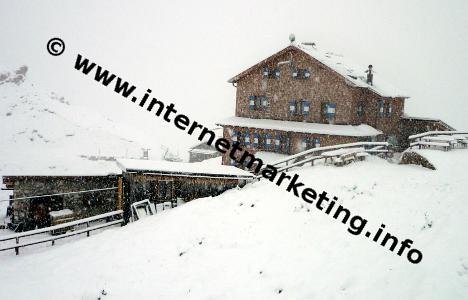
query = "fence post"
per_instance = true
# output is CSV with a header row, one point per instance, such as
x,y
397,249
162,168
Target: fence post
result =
x,y
17,248
87,226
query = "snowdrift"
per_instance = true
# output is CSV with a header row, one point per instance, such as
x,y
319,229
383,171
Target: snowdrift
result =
x,y
261,242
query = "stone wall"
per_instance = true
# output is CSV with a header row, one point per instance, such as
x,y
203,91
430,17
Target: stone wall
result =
x,y
323,86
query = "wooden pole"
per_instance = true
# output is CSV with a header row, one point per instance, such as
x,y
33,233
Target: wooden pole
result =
x,y
119,194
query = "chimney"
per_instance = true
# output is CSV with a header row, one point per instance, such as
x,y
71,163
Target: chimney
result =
x,y
370,75
145,153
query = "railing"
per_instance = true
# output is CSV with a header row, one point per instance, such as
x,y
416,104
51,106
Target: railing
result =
x,y
437,139
302,157
431,133
50,229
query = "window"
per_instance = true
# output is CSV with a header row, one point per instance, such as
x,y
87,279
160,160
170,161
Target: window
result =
x,y
258,102
301,107
301,74
306,144
389,109
309,143
360,109
316,142
305,107
165,189
266,72
292,107
268,141
271,73
264,102
381,108
329,110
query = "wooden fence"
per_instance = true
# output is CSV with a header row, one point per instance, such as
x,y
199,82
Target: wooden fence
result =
x,y
70,225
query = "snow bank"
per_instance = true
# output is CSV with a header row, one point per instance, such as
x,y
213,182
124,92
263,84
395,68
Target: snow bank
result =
x,y
262,243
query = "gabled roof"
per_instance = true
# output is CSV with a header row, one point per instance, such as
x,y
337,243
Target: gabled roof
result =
x,y
353,75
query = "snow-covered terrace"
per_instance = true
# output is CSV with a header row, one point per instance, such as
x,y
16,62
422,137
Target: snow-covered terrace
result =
x,y
182,169
317,128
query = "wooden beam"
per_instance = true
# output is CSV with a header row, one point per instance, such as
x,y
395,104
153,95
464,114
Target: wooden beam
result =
x,y
119,194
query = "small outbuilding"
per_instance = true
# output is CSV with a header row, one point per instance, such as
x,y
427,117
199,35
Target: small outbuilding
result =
x,y
40,198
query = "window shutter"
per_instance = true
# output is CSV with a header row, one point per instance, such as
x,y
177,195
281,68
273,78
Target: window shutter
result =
x,y
256,139
264,102
305,107
292,107
252,102
247,139
234,136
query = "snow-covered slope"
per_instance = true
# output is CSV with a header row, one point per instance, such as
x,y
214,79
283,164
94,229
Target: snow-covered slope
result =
x,y
261,242
41,132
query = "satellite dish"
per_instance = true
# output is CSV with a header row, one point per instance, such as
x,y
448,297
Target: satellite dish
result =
x,y
292,37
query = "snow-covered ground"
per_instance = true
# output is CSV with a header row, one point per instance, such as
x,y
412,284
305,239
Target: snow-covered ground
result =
x,y
42,132
261,242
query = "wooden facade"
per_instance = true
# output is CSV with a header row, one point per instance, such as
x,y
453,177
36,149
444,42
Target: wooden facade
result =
x,y
88,196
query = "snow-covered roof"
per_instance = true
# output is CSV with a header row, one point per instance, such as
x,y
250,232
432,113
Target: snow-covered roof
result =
x,y
203,151
70,167
329,129
198,169
218,131
353,74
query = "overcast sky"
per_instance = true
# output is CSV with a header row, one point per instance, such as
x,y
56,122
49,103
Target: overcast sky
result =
x,y
186,50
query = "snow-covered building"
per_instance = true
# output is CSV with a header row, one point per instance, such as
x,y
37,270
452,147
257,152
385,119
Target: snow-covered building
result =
x,y
98,187
202,151
302,97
